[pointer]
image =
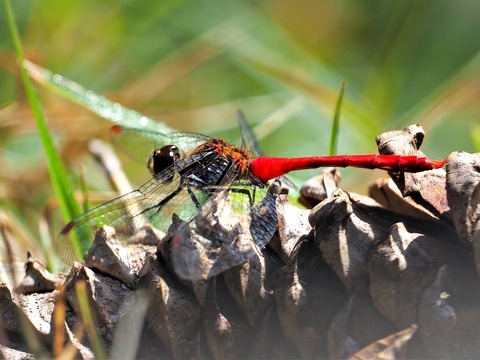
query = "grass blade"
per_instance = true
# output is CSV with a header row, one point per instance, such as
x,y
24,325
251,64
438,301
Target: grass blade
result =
x,y
88,319
60,182
475,134
99,104
336,121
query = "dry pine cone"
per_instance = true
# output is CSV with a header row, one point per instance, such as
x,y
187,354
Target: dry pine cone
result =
x,y
393,275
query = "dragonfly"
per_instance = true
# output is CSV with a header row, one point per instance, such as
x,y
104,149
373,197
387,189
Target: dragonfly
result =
x,y
214,202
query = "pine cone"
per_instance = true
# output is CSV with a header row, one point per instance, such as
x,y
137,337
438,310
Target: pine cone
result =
x,y
393,275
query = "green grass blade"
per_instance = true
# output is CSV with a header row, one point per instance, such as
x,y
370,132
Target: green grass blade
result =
x,y
60,182
336,121
99,104
475,134
88,319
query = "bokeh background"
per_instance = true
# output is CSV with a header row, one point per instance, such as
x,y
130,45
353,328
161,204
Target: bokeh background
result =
x,y
192,64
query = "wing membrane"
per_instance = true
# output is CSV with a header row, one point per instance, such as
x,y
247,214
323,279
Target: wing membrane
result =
x,y
214,215
128,213
138,144
232,226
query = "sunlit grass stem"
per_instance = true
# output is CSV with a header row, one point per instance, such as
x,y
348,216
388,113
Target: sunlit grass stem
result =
x,y
61,184
336,121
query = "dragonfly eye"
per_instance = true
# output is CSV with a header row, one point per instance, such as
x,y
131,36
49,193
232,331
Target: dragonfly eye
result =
x,y
162,158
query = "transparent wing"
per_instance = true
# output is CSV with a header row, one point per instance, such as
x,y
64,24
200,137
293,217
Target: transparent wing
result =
x,y
213,217
138,144
250,142
231,228
154,202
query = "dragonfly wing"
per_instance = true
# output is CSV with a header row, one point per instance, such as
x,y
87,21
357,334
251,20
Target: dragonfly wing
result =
x,y
114,213
264,217
214,241
154,203
226,232
250,142
209,228
138,144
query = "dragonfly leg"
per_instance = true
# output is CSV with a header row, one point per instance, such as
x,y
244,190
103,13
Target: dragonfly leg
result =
x,y
161,203
165,200
245,192
194,198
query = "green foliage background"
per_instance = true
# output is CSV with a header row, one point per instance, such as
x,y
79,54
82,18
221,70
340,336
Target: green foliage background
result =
x,y
192,63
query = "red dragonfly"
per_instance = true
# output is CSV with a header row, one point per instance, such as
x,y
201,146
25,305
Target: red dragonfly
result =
x,y
210,198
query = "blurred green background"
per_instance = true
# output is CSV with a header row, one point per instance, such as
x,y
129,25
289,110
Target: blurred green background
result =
x,y
191,64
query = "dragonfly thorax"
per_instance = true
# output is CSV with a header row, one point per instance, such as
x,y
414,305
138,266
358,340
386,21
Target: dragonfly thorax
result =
x,y
239,156
162,158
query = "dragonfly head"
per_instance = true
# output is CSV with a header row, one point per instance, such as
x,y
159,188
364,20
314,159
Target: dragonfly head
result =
x,y
162,158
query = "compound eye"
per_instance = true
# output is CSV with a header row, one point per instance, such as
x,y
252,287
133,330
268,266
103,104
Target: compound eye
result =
x,y
162,158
